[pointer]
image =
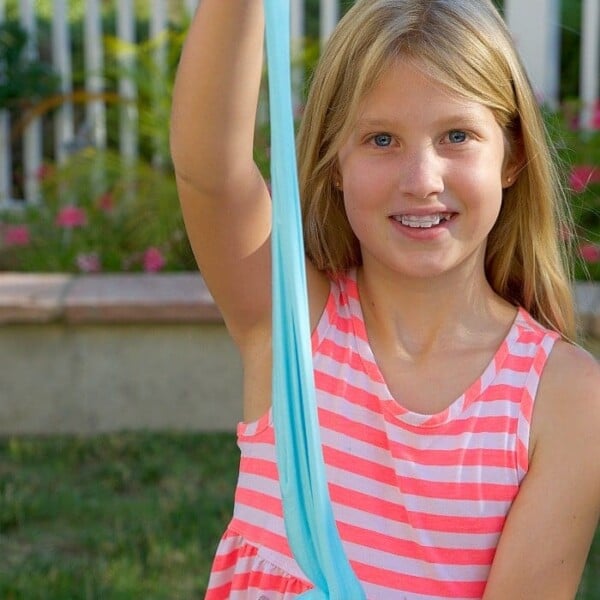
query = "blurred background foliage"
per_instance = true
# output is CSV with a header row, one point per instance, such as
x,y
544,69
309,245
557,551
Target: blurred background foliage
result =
x,y
145,213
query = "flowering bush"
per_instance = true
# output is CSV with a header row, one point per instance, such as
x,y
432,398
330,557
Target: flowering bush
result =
x,y
98,214
101,212
580,152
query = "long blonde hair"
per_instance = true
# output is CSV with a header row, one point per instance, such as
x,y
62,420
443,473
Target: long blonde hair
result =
x,y
465,46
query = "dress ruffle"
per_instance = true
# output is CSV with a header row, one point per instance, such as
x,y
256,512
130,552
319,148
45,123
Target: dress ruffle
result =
x,y
240,573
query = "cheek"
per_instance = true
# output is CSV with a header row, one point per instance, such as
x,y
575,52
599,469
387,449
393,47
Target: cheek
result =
x,y
359,209
365,183
352,208
483,176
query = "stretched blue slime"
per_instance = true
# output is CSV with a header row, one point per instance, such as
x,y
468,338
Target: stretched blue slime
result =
x,y
309,521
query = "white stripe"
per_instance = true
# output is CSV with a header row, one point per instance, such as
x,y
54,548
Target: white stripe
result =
x,y
379,559
511,378
377,592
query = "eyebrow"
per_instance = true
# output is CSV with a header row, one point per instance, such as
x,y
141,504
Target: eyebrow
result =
x,y
466,118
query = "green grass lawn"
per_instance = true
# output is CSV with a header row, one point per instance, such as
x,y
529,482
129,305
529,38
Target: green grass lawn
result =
x,y
127,516
120,516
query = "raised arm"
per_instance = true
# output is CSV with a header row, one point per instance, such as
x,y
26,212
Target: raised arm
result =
x,y
224,199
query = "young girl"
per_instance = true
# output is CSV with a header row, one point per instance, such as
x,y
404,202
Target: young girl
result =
x,y
460,426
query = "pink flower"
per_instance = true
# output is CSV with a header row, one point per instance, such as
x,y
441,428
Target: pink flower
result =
x,y
106,202
590,252
17,235
89,263
582,175
153,260
71,216
596,116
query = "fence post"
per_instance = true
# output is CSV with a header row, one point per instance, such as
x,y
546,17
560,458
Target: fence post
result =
x,y
535,25
330,15
32,137
297,39
61,57
158,30
5,150
128,130
589,86
94,81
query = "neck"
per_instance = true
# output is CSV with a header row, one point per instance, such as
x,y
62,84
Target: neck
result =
x,y
418,317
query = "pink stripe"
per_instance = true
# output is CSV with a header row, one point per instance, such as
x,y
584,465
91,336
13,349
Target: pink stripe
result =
x,y
350,325
261,535
522,457
448,557
540,361
520,364
418,585
265,467
219,593
259,501
352,394
501,391
227,561
346,357
353,429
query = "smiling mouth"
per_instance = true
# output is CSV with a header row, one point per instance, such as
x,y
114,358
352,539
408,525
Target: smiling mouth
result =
x,y
423,221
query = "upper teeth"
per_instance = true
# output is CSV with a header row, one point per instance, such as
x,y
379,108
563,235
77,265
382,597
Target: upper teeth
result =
x,y
424,221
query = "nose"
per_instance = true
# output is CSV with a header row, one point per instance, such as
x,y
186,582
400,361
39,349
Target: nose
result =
x,y
421,173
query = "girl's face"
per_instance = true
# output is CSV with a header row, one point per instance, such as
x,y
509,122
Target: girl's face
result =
x,y
422,173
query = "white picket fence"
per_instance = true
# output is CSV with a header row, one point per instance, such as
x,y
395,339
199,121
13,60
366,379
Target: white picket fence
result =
x,y
535,25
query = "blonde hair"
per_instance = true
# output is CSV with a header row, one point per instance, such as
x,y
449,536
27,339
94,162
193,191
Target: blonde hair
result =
x,y
465,46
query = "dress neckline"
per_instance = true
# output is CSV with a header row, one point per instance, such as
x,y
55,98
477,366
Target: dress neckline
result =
x,y
391,405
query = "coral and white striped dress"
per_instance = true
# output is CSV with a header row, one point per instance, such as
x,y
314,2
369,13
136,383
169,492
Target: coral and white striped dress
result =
x,y
419,500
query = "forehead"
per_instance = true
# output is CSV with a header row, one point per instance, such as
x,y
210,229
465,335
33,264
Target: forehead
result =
x,y
406,90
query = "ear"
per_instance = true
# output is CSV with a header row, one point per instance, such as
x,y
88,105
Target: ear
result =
x,y
510,175
338,182
514,163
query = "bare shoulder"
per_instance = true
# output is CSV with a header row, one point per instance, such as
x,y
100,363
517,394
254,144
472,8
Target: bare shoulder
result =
x,y
565,432
571,379
569,394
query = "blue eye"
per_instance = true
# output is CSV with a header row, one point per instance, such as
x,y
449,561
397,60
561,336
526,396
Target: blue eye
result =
x,y
457,137
382,140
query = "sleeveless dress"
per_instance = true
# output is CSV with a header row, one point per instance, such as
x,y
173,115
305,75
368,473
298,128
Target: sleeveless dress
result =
x,y
419,500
